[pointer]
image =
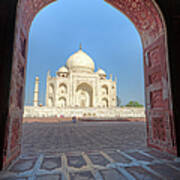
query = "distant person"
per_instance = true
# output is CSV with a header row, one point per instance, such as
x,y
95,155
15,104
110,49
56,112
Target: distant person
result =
x,y
74,119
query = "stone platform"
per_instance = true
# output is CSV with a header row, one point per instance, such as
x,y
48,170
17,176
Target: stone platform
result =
x,y
111,113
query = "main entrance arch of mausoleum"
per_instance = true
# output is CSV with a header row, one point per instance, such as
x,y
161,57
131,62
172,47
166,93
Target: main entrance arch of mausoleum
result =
x,y
148,19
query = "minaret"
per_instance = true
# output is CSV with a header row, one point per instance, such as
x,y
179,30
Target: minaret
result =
x,y
36,92
47,86
80,47
111,76
116,79
48,74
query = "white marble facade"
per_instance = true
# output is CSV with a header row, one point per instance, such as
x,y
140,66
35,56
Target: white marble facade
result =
x,y
77,90
77,85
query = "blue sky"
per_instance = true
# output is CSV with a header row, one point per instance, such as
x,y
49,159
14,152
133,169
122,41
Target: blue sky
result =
x,y
106,34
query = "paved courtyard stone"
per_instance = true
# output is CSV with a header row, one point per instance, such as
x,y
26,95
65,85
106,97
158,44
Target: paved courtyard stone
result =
x,y
161,155
118,157
87,175
140,156
49,177
23,165
89,151
83,136
76,161
110,174
141,173
167,171
14,178
98,159
51,163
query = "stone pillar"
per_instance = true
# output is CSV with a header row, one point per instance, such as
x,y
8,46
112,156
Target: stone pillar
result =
x,y
36,92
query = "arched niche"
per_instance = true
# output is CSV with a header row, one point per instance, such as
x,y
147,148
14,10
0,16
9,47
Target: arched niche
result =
x,y
62,102
51,88
105,103
105,90
148,20
84,95
62,88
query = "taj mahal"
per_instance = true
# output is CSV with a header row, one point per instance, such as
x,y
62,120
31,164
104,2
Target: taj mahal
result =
x,y
77,90
78,85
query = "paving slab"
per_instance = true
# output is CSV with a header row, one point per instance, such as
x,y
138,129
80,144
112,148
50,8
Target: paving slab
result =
x,y
112,174
161,155
86,175
51,163
23,165
140,156
49,177
98,159
117,157
141,173
76,161
166,171
13,178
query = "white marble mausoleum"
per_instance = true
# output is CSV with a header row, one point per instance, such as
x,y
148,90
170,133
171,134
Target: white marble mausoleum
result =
x,y
77,90
78,85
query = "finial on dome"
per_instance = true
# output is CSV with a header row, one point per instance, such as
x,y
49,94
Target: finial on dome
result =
x,y
80,47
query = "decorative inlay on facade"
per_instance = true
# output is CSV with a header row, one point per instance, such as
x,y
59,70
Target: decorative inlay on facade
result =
x,y
154,57
145,16
156,99
159,132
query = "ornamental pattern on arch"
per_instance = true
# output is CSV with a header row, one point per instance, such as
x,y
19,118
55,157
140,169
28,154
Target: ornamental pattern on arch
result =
x,y
29,9
143,14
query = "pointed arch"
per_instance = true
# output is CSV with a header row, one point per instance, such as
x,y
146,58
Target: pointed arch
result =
x,y
150,24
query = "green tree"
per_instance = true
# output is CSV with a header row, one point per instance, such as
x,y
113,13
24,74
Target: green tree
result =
x,y
134,104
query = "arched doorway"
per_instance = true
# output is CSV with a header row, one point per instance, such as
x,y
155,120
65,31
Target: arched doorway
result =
x,y
104,90
84,95
105,102
62,102
149,22
50,102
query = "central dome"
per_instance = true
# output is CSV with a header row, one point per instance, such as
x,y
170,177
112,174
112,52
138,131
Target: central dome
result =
x,y
80,62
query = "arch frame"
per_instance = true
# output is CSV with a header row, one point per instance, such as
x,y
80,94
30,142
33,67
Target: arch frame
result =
x,y
154,40
157,79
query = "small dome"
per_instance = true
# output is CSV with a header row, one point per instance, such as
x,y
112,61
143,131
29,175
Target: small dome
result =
x,y
101,72
80,62
63,69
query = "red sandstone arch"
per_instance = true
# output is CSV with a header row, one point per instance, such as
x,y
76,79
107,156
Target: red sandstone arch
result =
x,y
149,22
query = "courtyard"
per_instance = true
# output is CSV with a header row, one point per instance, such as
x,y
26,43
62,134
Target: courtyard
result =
x,y
53,149
83,136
